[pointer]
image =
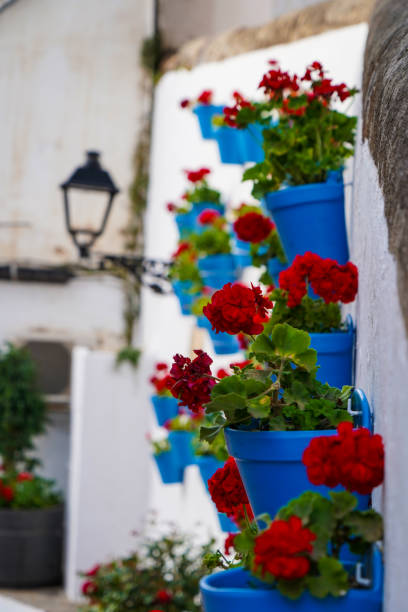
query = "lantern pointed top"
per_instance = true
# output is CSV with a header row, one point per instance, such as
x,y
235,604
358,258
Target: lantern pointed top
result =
x,y
91,176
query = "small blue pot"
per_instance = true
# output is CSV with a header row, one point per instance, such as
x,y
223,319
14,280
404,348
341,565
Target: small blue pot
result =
x,y
165,408
275,457
185,298
198,208
204,114
334,356
169,468
311,218
208,465
252,143
182,444
217,270
275,267
223,343
230,145
185,223
242,255
233,590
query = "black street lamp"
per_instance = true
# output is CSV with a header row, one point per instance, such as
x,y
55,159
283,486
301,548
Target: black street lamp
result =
x,y
91,177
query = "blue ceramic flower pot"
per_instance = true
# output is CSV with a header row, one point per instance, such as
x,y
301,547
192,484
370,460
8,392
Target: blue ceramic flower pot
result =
x,y
242,255
252,143
217,270
169,468
230,145
235,590
165,408
182,444
208,465
223,343
334,356
204,114
270,463
311,218
185,224
275,267
182,289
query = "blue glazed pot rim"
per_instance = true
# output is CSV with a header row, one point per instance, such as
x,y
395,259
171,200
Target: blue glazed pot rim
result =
x,y
210,108
330,193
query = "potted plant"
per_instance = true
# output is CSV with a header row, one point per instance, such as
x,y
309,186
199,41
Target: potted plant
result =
x,y
31,511
332,338
185,275
271,408
166,460
162,575
204,110
305,151
213,245
164,404
222,343
258,231
317,553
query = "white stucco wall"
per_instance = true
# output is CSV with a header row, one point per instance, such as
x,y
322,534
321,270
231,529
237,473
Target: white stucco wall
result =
x,y
176,145
382,362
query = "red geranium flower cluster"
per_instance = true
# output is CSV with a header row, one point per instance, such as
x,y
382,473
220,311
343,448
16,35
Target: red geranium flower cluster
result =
x,y
89,588
321,86
231,112
330,280
205,98
227,491
354,459
161,379
243,341
281,549
192,380
253,227
229,543
6,492
195,176
208,216
183,247
276,81
163,596
236,308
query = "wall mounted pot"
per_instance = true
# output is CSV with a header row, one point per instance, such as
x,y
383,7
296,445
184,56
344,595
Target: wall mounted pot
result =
x,y
185,223
182,444
169,468
217,270
311,218
234,590
165,408
230,145
270,462
204,114
208,465
31,547
252,143
335,356
223,343
182,290
198,208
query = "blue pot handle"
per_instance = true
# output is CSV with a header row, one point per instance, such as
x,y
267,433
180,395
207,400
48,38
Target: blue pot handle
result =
x,y
361,410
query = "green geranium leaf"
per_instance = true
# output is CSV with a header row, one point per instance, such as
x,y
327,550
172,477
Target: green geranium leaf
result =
x,y
293,344
343,503
367,524
229,384
263,349
254,387
244,541
228,403
292,589
333,579
260,408
209,433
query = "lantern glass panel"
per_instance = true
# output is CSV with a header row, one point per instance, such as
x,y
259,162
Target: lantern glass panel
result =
x,y
87,209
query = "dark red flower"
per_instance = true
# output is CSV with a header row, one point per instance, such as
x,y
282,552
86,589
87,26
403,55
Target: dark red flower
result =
x,y
182,248
6,492
161,366
226,488
222,373
208,216
25,476
185,103
236,308
280,550
93,571
195,176
243,341
205,97
276,81
89,588
171,207
163,596
253,227
354,459
231,112
229,543
192,380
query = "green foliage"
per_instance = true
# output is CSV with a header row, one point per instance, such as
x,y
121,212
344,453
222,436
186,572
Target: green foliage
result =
x,y
199,304
151,53
283,394
183,422
128,354
22,408
161,446
32,493
201,192
313,316
170,563
303,149
216,448
262,252
212,241
185,269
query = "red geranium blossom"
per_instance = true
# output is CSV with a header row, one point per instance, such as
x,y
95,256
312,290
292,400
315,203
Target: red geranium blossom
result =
x,y
93,571
163,596
89,587
195,176
226,488
236,308
354,459
280,550
229,543
182,248
25,476
205,97
6,492
161,380
231,112
253,227
192,380
208,216
243,341
276,81
185,103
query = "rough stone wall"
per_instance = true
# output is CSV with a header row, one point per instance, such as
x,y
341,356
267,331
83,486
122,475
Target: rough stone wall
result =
x,y
309,21
385,112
